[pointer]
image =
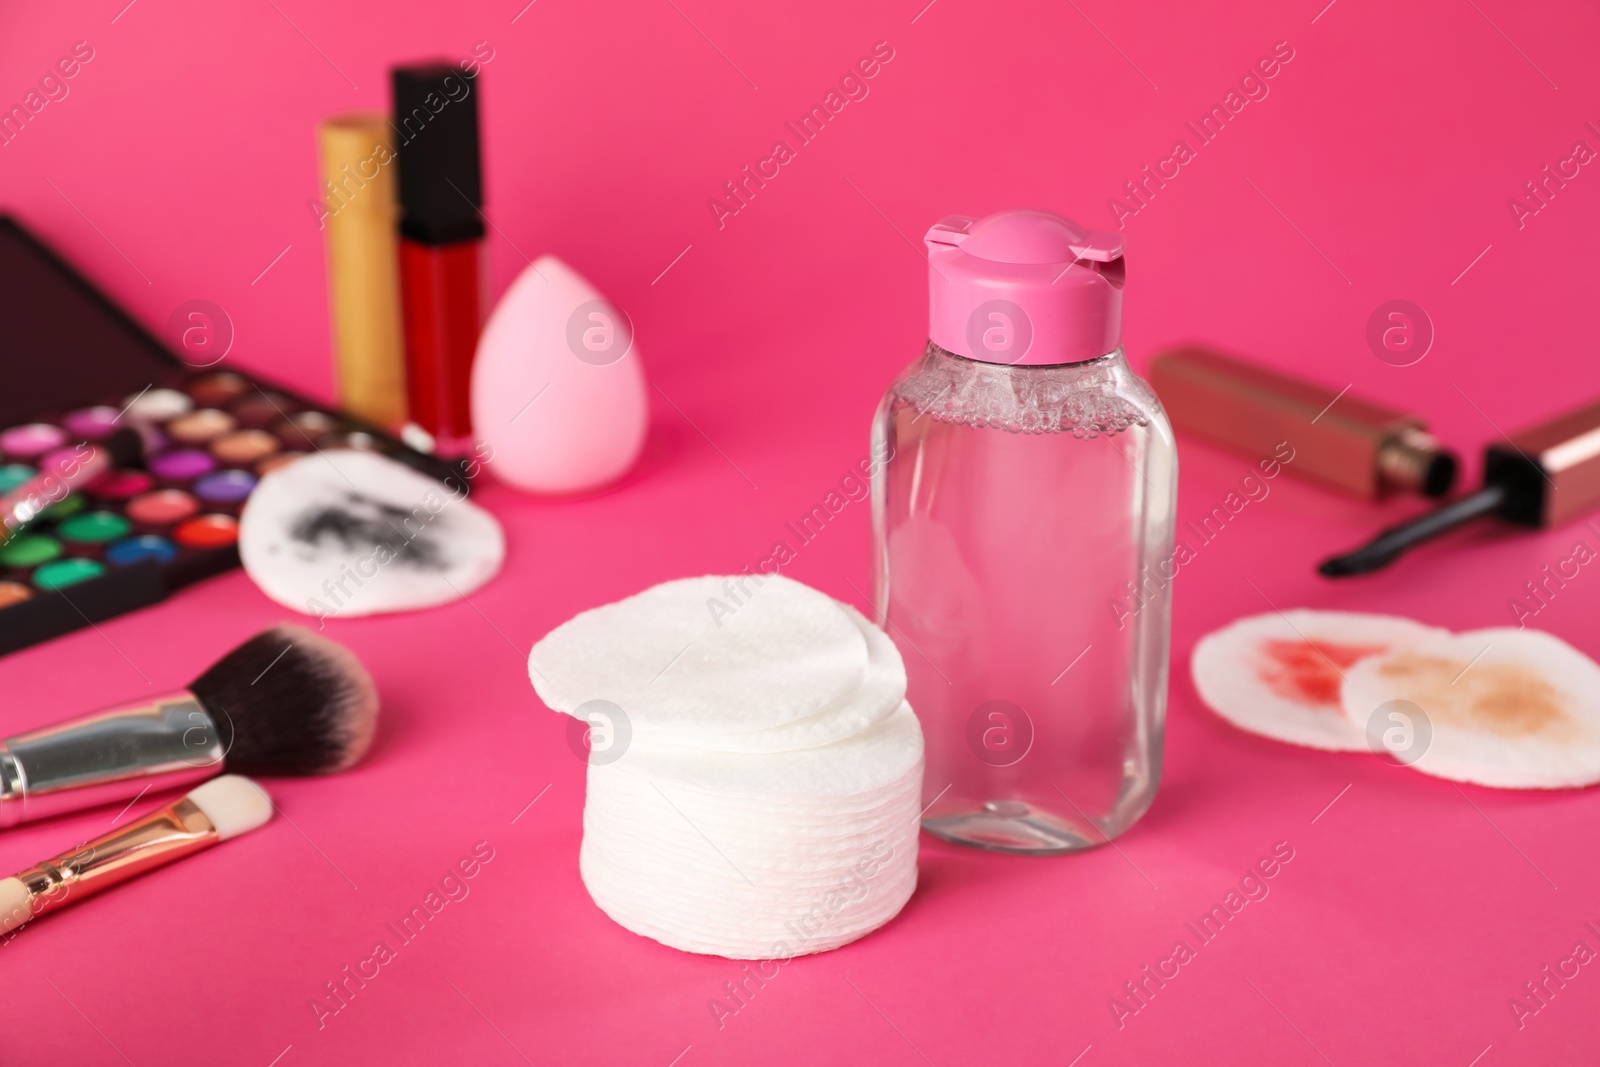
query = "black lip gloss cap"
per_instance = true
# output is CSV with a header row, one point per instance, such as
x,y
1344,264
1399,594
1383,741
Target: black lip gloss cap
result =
x,y
436,137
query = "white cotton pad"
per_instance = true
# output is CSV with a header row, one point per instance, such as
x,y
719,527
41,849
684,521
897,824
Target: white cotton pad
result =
x,y
675,658
882,688
345,533
767,801
1278,674
709,889
1515,709
869,761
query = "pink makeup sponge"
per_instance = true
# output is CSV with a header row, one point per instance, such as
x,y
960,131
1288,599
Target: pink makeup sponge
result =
x,y
558,392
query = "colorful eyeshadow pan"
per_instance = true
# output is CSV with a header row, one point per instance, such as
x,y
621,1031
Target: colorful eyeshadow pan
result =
x,y
65,459
32,439
214,389
94,527
68,505
272,463
29,550
162,507
225,487
13,475
200,426
13,593
244,446
208,531
66,572
120,485
157,405
138,549
260,411
91,424
302,430
182,464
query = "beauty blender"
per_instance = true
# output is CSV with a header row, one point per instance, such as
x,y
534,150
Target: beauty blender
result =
x,y
1279,674
558,390
347,533
767,801
1515,709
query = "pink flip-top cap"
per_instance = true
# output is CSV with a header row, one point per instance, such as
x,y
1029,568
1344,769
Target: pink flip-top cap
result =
x,y
1024,287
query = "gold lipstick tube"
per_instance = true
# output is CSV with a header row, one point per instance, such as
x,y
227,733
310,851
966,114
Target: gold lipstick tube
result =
x,y
180,829
1351,443
359,200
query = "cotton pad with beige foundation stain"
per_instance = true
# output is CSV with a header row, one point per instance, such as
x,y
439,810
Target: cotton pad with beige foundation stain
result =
x,y
1279,674
1513,709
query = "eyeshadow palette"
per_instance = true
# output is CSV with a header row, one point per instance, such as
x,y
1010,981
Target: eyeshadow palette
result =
x,y
134,534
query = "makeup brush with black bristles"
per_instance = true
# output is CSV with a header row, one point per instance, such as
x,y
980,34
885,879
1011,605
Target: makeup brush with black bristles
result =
x,y
285,703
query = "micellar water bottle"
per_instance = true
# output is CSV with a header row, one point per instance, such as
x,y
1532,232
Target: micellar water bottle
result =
x,y
1023,530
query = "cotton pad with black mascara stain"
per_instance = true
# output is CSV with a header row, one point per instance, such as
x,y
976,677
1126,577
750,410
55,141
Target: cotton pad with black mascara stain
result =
x,y
346,533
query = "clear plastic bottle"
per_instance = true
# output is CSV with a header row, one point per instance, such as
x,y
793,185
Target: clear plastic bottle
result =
x,y
1023,528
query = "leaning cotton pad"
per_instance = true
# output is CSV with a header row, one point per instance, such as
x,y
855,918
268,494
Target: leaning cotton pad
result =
x,y
1278,674
672,660
1516,709
882,687
767,804
347,533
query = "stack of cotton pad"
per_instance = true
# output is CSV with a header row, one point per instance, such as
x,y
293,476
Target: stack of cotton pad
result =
x,y
762,797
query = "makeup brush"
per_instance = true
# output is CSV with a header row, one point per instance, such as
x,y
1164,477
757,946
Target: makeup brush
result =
x,y
64,471
285,703
1543,476
221,808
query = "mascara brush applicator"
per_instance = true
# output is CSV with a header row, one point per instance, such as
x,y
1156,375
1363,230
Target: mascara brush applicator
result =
x,y
212,813
285,703
1543,476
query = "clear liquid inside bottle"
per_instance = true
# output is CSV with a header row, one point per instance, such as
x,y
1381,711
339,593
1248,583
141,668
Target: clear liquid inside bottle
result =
x,y
1023,526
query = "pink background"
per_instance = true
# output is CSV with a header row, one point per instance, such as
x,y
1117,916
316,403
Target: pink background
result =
x,y
1378,167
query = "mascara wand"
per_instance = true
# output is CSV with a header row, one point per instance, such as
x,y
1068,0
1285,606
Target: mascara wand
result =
x,y
1542,476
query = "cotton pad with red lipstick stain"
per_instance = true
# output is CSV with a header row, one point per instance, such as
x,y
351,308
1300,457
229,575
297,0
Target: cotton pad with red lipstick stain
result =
x,y
1513,709
1279,674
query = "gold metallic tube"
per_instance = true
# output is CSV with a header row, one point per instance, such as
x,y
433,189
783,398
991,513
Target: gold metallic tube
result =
x,y
175,831
359,204
1354,444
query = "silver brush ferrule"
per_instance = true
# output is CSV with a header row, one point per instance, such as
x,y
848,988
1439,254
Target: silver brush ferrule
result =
x,y
110,756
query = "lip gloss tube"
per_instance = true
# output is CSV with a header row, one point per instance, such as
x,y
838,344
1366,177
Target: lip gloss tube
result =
x,y
441,244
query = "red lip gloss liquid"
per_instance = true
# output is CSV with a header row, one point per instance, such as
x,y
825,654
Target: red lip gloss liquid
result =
x,y
441,243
